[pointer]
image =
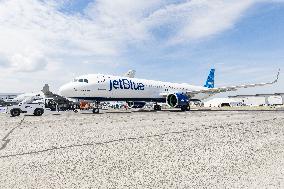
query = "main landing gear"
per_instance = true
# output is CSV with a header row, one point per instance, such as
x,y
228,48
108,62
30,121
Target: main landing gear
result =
x,y
96,109
185,108
157,107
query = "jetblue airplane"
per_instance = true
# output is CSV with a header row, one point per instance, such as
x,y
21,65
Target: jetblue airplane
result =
x,y
136,92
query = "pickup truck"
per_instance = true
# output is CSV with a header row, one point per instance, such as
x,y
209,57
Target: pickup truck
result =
x,y
31,106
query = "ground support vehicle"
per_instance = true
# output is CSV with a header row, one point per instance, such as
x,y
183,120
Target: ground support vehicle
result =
x,y
30,106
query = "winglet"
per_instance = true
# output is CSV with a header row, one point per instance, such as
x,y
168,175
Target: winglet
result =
x,y
277,77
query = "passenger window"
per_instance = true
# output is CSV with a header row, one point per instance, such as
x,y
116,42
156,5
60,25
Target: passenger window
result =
x,y
81,80
86,81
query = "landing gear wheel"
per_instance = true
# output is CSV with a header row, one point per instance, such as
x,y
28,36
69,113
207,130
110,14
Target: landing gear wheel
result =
x,y
185,108
157,107
96,111
15,112
188,108
38,112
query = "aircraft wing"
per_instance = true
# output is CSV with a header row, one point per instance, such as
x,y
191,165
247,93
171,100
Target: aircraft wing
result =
x,y
213,91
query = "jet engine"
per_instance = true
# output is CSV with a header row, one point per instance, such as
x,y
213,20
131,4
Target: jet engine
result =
x,y
177,100
136,104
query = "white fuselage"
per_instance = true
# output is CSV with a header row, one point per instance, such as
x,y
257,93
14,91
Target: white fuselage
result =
x,y
108,87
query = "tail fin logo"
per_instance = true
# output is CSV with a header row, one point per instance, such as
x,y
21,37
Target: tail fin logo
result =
x,y
210,80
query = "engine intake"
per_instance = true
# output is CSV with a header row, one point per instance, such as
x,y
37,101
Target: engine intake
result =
x,y
136,104
177,100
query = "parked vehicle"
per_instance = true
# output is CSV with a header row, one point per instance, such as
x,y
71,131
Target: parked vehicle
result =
x,y
32,106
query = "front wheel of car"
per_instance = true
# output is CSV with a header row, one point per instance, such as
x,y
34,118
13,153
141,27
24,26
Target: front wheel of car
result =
x,y
15,112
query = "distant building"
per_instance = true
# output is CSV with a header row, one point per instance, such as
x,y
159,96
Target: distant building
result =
x,y
260,99
222,102
247,100
8,96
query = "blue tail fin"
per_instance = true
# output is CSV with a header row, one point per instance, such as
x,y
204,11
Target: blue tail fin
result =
x,y
210,80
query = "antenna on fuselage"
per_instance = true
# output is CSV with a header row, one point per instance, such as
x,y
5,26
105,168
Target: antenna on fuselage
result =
x,y
130,74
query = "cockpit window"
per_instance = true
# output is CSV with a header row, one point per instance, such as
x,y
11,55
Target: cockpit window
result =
x,y
81,80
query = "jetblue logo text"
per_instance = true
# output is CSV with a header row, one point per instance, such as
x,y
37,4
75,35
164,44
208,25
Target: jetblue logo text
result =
x,y
125,84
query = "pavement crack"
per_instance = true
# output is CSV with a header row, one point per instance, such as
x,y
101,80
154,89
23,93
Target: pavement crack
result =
x,y
119,140
5,139
95,143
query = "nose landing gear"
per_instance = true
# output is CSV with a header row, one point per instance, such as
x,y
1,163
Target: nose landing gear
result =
x,y
96,109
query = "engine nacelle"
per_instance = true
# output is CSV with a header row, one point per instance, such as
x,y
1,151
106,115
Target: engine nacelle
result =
x,y
136,104
177,100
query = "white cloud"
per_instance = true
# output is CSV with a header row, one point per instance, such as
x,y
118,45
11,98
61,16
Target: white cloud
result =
x,y
32,31
198,19
122,20
29,62
35,35
213,17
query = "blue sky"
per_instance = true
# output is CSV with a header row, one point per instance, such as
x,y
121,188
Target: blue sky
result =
x,y
53,41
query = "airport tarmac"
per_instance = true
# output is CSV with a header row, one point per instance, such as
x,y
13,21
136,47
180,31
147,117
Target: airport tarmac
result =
x,y
198,149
